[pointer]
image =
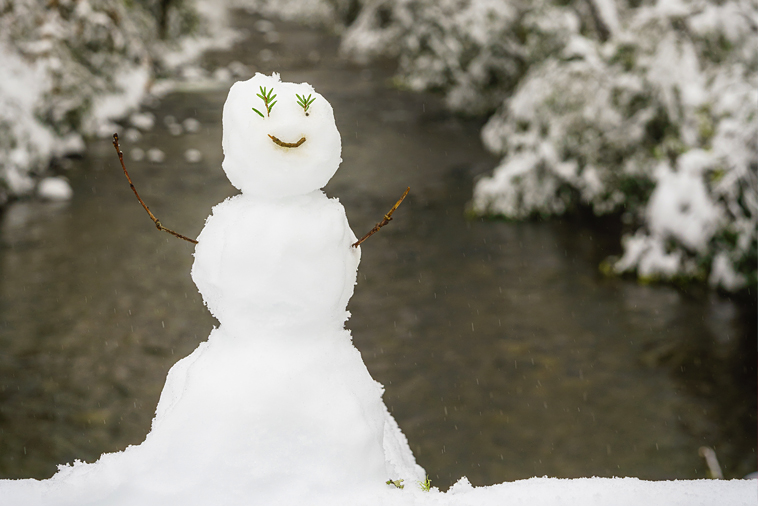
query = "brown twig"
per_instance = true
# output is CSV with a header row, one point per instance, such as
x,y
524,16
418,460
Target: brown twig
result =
x,y
152,216
287,144
387,218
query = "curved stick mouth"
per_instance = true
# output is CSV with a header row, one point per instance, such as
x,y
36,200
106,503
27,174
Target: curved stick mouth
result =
x,y
287,144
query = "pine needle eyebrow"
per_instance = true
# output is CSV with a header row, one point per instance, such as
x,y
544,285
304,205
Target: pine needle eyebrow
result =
x,y
304,102
268,100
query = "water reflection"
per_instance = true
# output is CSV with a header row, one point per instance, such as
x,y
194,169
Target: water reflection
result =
x,y
545,368
503,351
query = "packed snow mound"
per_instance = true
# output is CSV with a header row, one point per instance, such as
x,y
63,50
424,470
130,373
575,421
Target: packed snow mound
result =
x,y
531,492
257,165
275,263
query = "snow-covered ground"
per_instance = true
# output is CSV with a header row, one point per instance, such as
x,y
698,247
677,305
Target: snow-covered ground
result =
x,y
531,492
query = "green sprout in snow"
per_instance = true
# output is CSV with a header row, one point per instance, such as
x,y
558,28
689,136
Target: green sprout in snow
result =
x,y
305,103
397,483
426,485
268,101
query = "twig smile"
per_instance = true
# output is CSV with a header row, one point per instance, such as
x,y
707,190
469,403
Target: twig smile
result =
x,y
287,144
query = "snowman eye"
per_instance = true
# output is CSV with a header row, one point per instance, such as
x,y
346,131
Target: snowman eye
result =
x,y
304,102
268,100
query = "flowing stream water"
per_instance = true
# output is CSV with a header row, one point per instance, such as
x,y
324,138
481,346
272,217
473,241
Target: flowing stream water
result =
x,y
504,352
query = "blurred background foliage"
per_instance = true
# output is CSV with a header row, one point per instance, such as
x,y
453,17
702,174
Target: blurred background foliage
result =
x,y
647,110
643,109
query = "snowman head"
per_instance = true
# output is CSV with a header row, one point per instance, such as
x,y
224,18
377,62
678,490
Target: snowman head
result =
x,y
287,149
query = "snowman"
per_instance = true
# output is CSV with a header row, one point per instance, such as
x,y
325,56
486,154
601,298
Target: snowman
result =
x,y
277,406
276,266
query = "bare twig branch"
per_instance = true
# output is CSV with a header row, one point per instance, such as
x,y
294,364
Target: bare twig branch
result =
x,y
152,216
287,144
387,218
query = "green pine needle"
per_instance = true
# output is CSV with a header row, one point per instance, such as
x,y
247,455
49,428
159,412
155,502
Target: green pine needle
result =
x,y
259,112
304,102
268,100
426,485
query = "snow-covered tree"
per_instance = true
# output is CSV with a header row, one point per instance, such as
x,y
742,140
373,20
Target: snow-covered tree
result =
x,y
67,67
645,108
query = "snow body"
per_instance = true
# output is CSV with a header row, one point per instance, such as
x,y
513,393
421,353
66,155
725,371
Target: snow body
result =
x,y
276,266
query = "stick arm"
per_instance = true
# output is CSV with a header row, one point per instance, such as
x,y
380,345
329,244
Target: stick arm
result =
x,y
387,218
157,222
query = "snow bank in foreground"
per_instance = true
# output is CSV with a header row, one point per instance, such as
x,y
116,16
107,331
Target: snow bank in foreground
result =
x,y
597,491
531,492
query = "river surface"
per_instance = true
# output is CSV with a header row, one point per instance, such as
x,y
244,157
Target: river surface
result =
x,y
504,352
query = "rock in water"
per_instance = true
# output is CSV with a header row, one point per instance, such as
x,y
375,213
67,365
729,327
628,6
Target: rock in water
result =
x,y
277,406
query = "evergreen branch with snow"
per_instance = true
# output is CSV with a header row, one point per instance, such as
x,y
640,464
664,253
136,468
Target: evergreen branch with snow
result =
x,y
651,116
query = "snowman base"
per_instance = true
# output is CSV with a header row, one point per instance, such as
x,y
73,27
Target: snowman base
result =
x,y
235,427
318,421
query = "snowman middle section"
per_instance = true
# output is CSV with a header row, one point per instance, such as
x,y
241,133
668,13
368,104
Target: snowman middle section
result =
x,y
279,264
277,274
